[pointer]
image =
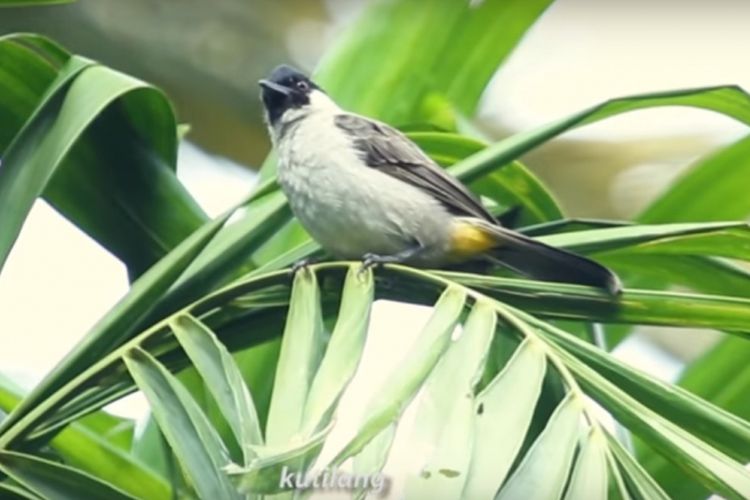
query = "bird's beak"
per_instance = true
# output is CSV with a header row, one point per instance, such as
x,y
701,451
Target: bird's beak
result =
x,y
275,87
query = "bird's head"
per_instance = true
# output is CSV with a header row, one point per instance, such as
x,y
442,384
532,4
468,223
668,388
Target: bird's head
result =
x,y
288,94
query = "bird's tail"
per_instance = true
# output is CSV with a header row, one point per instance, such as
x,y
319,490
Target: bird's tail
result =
x,y
536,260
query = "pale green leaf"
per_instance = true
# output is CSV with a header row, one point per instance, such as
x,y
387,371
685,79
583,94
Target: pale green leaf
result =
x,y
388,403
502,417
344,349
444,433
191,436
301,349
709,465
54,481
589,480
222,378
544,470
643,486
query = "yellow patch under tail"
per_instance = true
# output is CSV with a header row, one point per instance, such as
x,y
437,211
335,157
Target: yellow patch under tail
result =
x,y
468,240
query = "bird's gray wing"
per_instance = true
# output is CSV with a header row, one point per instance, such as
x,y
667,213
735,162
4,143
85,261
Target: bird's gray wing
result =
x,y
388,150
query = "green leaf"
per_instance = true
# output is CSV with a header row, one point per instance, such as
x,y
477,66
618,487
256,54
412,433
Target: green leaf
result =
x,y
104,379
194,441
708,422
702,461
477,47
713,189
446,470
569,225
387,405
503,414
445,414
26,162
446,411
373,457
131,201
54,481
689,201
618,488
563,301
544,470
222,378
712,467
263,213
721,239
699,274
150,448
87,451
258,367
705,463
589,478
111,331
729,100
101,148
453,50
117,431
722,377
641,484
14,492
25,79
87,445
344,350
301,348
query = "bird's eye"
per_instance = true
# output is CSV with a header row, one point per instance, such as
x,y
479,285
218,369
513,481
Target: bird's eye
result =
x,y
302,85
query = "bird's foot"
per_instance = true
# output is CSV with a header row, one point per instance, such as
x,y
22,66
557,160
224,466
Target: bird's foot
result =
x,y
303,264
371,260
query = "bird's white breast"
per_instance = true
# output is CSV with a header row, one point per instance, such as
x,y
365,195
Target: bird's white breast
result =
x,y
350,208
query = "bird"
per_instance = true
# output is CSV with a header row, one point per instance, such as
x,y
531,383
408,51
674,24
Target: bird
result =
x,y
364,191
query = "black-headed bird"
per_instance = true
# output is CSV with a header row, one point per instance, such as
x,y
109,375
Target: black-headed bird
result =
x,y
363,190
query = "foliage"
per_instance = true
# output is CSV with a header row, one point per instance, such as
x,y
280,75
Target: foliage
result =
x,y
506,408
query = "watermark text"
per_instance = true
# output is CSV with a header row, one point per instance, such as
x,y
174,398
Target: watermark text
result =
x,y
331,479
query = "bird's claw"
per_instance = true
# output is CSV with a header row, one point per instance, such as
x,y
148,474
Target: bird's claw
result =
x,y
369,260
302,264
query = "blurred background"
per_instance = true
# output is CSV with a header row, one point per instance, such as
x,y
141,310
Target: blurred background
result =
x,y
208,57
